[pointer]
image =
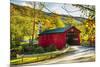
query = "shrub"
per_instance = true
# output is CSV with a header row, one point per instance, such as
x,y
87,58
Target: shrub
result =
x,y
50,48
20,50
39,50
13,54
33,49
85,43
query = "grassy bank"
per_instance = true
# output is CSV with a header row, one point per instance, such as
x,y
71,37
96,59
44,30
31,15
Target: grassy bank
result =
x,y
39,57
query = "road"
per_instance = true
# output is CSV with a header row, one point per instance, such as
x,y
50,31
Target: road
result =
x,y
78,54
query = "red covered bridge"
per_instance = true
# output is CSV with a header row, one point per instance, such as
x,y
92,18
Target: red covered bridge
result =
x,y
59,37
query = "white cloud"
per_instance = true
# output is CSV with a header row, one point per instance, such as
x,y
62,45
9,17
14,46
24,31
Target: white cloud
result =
x,y
26,4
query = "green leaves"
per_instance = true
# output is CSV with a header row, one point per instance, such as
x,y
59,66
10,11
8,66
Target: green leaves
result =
x,y
22,20
59,23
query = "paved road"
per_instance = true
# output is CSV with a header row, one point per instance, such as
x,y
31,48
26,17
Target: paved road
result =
x,y
79,54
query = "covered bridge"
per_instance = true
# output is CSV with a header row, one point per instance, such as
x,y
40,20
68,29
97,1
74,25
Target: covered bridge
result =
x,y
59,37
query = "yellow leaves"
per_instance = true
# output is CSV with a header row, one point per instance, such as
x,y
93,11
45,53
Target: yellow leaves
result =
x,y
94,25
68,20
59,23
92,38
90,18
89,26
86,37
43,28
36,27
53,26
48,24
26,37
86,24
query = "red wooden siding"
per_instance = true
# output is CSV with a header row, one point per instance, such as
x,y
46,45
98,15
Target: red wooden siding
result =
x,y
59,40
45,41
75,35
73,29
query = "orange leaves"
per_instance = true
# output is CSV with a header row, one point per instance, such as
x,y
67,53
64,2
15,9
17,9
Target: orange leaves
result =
x,y
90,22
48,24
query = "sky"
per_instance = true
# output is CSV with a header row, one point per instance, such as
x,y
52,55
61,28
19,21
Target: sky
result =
x,y
54,7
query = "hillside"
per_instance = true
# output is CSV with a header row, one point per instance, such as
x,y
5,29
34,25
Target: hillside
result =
x,y
27,11
22,20
22,23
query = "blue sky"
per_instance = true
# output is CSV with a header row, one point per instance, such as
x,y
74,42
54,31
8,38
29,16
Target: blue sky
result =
x,y
54,7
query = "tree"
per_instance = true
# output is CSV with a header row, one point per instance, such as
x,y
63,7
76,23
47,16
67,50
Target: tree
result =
x,y
20,27
88,33
88,10
59,23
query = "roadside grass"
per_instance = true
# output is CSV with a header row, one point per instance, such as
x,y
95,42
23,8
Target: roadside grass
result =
x,y
37,58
